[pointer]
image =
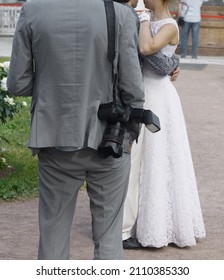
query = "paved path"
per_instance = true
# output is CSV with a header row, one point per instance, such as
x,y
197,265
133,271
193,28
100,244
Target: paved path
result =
x,y
200,87
5,46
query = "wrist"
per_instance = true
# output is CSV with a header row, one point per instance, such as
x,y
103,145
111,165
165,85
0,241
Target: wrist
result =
x,y
144,17
145,22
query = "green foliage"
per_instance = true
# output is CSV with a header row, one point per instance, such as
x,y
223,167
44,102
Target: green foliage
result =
x,y
9,105
18,168
19,179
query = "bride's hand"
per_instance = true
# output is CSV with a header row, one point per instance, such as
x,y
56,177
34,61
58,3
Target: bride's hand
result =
x,y
144,16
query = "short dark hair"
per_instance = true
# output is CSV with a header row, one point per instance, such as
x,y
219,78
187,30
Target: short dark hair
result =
x,y
121,1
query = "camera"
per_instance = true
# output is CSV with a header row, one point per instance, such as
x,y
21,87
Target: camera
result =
x,y
118,118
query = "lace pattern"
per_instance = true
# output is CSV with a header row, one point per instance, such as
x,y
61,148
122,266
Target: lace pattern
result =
x,y
169,207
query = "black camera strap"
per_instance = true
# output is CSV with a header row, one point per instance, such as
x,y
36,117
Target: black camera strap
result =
x,y
110,15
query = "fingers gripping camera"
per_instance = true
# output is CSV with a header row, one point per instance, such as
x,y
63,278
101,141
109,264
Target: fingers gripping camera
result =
x,y
118,120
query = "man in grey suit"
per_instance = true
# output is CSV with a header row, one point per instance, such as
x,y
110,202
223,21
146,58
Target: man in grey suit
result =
x,y
59,58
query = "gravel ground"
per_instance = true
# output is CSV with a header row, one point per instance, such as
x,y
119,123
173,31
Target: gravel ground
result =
x,y
200,87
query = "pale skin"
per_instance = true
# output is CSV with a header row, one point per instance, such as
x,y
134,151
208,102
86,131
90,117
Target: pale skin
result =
x,y
175,74
133,3
167,34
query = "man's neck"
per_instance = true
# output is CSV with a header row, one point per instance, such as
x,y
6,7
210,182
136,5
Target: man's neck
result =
x,y
129,3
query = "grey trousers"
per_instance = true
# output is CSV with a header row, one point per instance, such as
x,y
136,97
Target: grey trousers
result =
x,y
61,174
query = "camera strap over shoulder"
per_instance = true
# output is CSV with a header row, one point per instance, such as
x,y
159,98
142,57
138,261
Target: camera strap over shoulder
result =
x,y
110,15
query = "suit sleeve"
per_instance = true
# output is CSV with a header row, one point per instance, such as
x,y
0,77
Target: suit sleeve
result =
x,y
21,75
161,63
129,72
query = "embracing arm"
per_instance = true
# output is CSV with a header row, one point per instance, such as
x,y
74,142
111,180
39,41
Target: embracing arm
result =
x,y
161,63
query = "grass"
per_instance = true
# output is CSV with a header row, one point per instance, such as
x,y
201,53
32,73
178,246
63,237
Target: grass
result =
x,y
21,180
2,59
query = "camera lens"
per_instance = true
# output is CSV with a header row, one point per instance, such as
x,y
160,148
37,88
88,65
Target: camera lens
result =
x,y
112,141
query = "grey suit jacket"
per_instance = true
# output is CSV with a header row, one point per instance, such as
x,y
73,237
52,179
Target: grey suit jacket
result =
x,y
59,58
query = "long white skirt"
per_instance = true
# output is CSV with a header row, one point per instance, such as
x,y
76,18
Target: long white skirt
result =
x,y
169,209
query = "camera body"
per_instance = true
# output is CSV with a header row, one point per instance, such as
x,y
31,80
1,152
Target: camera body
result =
x,y
118,117
112,112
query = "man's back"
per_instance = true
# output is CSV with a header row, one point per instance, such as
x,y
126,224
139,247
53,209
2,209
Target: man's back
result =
x,y
73,74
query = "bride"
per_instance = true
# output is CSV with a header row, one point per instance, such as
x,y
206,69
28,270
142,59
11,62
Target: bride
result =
x,y
169,209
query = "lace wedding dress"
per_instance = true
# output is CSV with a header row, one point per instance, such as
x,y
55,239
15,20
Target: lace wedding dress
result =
x,y
169,209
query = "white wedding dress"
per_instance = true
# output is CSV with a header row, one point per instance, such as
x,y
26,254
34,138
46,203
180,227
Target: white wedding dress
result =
x,y
169,209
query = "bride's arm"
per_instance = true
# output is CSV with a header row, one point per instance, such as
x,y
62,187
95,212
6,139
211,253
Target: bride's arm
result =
x,y
148,44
